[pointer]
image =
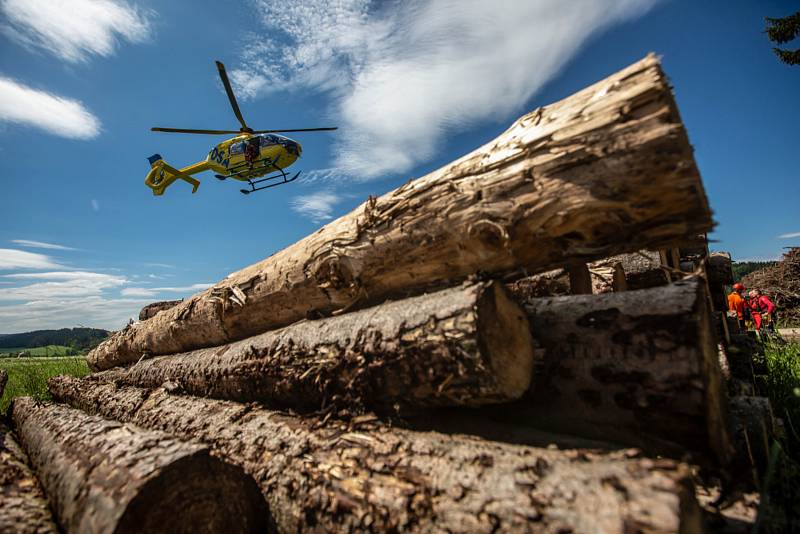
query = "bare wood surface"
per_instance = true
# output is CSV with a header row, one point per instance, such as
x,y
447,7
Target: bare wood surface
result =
x,y
23,506
365,476
468,345
604,171
638,367
103,476
151,309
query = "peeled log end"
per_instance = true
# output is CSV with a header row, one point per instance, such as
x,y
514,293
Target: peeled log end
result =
x,y
504,333
198,493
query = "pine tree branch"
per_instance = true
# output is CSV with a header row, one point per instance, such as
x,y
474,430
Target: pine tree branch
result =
x,y
790,57
783,30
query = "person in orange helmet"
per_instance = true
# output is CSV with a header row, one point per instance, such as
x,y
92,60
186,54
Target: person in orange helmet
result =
x,y
737,304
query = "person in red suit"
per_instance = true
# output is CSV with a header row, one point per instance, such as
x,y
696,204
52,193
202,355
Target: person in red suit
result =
x,y
762,310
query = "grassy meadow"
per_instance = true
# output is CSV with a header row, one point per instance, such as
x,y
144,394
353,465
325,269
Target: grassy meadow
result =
x,y
780,502
47,350
28,376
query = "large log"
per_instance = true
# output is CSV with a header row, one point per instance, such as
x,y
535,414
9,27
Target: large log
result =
x,y
365,476
637,367
23,506
605,171
103,476
469,346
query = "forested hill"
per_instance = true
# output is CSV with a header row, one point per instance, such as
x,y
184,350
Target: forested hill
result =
x,y
79,338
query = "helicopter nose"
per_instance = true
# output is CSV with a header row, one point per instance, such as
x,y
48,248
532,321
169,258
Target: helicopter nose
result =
x,y
297,148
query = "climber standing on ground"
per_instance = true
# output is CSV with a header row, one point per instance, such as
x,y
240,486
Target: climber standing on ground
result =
x,y
762,310
737,305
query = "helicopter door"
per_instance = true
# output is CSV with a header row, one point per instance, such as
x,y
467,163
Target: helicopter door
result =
x,y
236,149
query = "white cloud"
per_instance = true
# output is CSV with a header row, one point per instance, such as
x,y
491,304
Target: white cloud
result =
x,y
137,292
402,78
74,30
329,175
54,114
153,291
60,285
39,244
317,206
789,236
20,259
93,311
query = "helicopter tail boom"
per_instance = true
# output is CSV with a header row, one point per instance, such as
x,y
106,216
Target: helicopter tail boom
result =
x,y
162,175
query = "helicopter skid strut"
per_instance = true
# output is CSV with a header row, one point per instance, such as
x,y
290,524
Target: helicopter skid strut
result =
x,y
285,179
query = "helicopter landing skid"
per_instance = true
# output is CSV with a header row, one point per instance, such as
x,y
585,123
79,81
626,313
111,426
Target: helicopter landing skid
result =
x,y
284,177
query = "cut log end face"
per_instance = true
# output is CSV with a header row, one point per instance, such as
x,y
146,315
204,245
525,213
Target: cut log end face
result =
x,y
197,493
104,476
505,335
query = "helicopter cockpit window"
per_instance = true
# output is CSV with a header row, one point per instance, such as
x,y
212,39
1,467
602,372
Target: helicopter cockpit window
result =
x,y
237,148
269,140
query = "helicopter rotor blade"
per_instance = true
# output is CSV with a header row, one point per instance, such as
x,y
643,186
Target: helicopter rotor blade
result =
x,y
187,130
228,89
295,130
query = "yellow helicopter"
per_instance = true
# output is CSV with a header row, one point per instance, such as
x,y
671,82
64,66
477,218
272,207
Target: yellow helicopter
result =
x,y
258,157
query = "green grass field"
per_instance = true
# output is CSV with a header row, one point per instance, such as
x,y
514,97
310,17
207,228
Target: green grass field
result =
x,y
780,509
28,376
49,350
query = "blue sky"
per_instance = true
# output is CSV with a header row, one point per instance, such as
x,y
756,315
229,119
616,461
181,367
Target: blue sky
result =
x,y
412,85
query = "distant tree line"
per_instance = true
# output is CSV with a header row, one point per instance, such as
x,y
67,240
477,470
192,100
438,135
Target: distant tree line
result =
x,y
742,268
79,339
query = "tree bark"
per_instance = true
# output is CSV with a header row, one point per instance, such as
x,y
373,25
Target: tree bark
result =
x,y
462,346
23,507
638,367
365,476
605,171
103,476
3,380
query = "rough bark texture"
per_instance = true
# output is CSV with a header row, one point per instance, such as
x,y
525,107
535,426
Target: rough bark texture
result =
x,y
605,171
151,309
3,380
638,367
103,476
753,426
549,284
23,507
469,346
339,477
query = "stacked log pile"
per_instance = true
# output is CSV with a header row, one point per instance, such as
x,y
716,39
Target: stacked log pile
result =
x,y
334,372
